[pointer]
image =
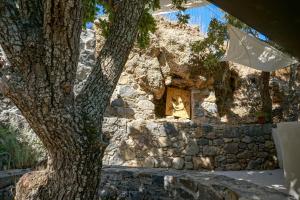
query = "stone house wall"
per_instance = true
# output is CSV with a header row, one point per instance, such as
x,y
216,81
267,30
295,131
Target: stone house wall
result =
x,y
186,145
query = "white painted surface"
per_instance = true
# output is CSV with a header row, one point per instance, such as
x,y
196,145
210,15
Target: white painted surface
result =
x,y
289,137
270,178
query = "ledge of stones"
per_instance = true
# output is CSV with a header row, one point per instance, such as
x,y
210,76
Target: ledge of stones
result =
x,y
142,183
162,184
8,180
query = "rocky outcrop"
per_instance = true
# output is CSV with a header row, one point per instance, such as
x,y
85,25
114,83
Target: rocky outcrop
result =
x,y
148,72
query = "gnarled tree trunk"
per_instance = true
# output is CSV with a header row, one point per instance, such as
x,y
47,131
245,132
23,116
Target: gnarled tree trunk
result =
x,y
41,41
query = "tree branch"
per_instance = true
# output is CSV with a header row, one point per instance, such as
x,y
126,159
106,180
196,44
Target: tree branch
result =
x,y
101,83
10,30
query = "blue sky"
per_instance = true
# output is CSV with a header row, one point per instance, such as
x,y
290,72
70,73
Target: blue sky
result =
x,y
200,16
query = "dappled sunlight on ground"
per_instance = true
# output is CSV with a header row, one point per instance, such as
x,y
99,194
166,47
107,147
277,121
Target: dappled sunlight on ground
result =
x,y
273,179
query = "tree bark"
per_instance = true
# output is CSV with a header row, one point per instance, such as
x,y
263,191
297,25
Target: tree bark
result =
x,y
68,176
266,97
292,98
41,41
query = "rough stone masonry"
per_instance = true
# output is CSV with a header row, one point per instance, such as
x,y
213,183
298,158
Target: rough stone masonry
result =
x,y
182,144
141,138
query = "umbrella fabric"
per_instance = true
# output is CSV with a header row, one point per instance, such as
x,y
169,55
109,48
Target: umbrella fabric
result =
x,y
252,52
167,6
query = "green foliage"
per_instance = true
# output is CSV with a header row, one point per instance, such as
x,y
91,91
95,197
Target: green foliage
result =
x,y
105,23
178,4
17,153
147,24
209,51
183,18
89,11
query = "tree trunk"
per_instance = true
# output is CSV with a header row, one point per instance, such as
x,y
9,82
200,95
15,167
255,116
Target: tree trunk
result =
x,y
66,177
41,41
266,97
292,98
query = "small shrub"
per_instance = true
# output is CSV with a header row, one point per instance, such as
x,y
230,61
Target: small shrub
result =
x,y
15,152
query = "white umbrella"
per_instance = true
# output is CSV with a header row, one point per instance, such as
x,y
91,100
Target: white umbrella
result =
x,y
166,6
252,52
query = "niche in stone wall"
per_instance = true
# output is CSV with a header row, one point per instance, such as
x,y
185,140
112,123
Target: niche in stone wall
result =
x,y
160,106
178,103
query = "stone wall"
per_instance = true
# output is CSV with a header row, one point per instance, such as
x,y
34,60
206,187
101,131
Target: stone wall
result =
x,y
186,145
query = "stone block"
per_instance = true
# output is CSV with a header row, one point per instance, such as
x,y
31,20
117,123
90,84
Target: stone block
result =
x,y
260,139
170,129
163,141
192,148
218,142
262,154
231,148
203,163
234,166
149,162
231,133
183,194
220,159
247,139
188,158
269,144
207,128
188,165
197,133
242,146
145,105
188,184
127,91
227,140
129,154
210,151
165,162
178,163
254,164
203,142
244,155
211,135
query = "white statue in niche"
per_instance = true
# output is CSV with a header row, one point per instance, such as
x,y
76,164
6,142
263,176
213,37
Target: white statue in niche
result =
x,y
178,103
